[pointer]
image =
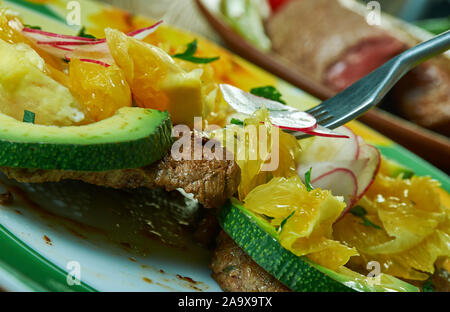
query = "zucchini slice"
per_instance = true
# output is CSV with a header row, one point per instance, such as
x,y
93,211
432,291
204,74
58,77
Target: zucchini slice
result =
x,y
259,240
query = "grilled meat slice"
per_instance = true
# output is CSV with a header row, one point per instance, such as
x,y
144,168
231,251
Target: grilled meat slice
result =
x,y
211,182
336,47
235,271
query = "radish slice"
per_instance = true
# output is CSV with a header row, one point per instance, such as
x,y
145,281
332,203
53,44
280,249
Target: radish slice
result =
x,y
335,162
64,46
143,33
281,115
372,157
40,35
326,175
326,148
325,132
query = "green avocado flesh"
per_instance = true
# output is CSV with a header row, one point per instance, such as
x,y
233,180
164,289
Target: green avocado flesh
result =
x,y
258,239
132,138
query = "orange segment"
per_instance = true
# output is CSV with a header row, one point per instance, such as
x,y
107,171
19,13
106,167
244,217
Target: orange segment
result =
x,y
306,219
10,32
101,90
415,227
156,80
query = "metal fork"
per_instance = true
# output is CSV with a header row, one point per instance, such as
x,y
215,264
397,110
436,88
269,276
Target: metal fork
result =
x,y
370,90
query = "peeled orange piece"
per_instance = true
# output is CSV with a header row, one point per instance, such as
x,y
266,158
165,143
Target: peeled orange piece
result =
x,y
414,232
100,90
303,219
10,26
156,80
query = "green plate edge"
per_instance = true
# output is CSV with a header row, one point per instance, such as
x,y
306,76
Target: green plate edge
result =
x,y
31,269
41,275
415,163
27,266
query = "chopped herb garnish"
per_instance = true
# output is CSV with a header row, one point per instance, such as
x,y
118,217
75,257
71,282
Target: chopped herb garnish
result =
x,y
361,212
188,55
268,217
268,92
29,117
308,184
407,175
83,34
284,222
238,122
32,27
428,286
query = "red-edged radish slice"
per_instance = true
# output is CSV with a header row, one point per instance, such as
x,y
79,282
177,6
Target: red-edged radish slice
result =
x,y
372,157
327,155
330,149
341,181
325,132
143,33
44,36
65,46
281,115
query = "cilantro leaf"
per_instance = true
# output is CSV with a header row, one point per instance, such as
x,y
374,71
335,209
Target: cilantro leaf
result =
x,y
83,34
268,92
308,184
361,212
29,117
188,55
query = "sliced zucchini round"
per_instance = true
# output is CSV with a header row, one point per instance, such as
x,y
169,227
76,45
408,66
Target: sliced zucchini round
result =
x,y
258,239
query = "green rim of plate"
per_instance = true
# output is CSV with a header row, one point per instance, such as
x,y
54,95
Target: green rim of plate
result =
x,y
415,163
36,273
31,269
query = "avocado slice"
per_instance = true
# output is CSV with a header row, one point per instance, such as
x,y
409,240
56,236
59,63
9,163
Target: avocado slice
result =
x,y
132,138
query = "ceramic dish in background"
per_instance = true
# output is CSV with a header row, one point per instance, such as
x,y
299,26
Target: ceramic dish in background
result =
x,y
53,232
429,145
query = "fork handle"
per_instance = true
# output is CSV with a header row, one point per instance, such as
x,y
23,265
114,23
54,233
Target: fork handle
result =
x,y
426,50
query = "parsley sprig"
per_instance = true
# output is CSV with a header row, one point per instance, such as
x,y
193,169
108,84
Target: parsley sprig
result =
x,y
188,55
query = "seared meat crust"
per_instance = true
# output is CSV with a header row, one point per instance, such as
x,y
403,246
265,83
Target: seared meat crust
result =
x,y
235,271
211,181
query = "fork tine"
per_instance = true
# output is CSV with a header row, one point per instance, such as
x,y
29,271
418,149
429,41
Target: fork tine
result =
x,y
320,113
313,110
370,90
324,119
